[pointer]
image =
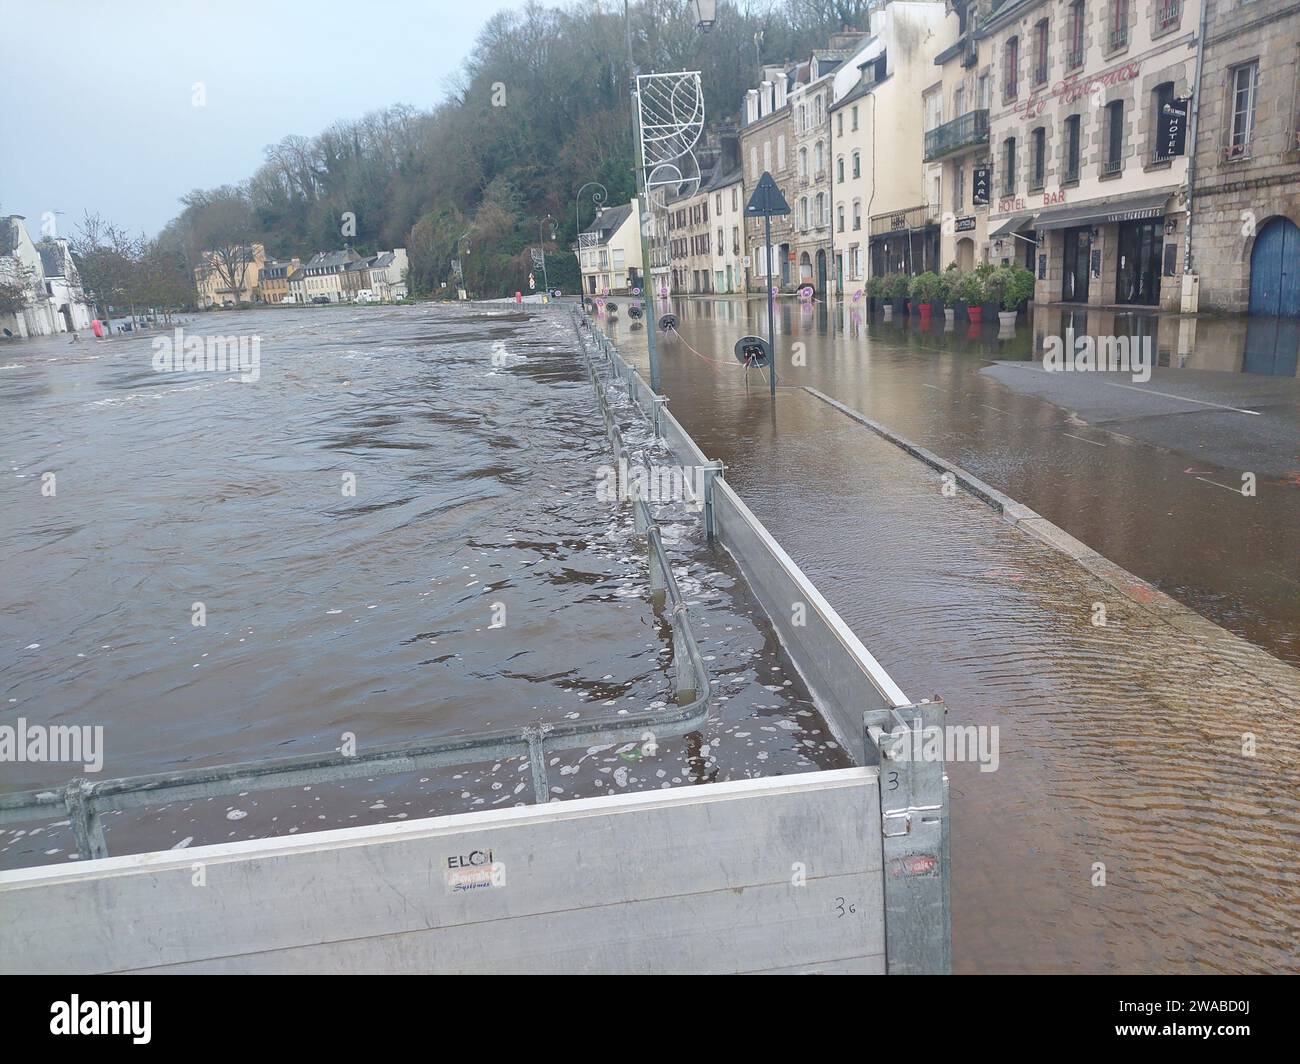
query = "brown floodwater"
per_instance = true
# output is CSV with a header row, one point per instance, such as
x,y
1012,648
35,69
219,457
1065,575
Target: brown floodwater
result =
x,y
472,442
1126,828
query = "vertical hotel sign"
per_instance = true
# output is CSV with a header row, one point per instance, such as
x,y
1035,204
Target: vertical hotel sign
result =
x,y
1173,128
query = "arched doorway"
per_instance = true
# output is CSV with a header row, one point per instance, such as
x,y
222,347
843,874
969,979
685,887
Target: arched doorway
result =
x,y
965,254
67,317
1275,270
805,268
821,271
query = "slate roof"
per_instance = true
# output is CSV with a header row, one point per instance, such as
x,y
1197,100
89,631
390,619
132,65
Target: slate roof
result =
x,y
607,223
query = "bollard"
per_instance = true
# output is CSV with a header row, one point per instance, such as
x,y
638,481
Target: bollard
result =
x,y
640,517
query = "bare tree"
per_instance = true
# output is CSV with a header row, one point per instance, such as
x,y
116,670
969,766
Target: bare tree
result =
x,y
223,227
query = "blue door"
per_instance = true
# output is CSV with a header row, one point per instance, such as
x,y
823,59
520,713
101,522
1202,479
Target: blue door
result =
x,y
1275,270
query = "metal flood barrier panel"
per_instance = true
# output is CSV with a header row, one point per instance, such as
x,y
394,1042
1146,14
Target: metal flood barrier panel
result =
x,y
772,874
843,676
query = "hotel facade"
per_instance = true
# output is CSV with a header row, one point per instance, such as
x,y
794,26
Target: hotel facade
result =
x,y
1086,190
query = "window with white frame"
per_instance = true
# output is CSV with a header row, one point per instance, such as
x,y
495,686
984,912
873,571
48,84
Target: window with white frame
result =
x,y
933,108
1244,84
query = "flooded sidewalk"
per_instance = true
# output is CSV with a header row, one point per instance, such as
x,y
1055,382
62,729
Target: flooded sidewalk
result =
x,y
1144,814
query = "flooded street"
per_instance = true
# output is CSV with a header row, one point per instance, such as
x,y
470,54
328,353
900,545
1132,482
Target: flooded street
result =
x,y
1126,827
393,533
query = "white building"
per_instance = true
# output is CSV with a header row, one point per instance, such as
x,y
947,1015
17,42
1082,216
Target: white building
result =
x,y
886,220
609,251
388,274
46,273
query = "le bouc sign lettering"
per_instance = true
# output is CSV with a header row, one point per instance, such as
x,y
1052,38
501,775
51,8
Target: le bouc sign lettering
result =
x,y
1076,87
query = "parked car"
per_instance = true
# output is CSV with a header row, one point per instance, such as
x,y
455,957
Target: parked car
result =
x,y
320,299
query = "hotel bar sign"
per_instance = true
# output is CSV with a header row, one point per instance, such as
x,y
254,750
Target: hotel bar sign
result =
x,y
979,195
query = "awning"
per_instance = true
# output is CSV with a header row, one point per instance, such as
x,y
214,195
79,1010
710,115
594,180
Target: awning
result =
x,y
1012,225
1101,212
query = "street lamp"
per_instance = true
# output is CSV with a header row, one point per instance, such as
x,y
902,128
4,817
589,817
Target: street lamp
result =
x,y
705,14
598,198
546,284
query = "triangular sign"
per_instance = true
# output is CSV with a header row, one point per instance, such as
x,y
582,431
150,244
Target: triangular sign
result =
x,y
767,199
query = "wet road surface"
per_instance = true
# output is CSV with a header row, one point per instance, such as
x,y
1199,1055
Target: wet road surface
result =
x,y
1126,827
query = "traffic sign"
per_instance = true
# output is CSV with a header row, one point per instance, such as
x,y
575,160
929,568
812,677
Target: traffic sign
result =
x,y
766,200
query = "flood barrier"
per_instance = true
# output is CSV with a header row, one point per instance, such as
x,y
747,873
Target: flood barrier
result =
x,y
837,871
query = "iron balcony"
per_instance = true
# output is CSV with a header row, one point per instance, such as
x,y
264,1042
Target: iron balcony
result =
x,y
970,129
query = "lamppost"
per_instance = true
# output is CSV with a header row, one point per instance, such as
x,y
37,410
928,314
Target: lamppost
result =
x,y
542,240
459,266
705,12
598,198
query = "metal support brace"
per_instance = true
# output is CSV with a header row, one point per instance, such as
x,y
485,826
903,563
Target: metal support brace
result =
x,y
907,744
658,578
659,402
86,826
683,673
712,471
640,518
535,734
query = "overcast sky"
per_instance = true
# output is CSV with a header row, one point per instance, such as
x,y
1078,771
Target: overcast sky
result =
x,y
95,95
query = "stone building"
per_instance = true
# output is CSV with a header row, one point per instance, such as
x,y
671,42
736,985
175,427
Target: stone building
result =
x,y
215,290
1246,181
811,97
956,110
766,140
728,192
273,281
690,243
1085,192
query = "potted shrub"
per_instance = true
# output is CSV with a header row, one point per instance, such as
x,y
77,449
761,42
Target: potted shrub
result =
x,y
946,289
1019,290
874,292
971,291
897,286
924,290
994,278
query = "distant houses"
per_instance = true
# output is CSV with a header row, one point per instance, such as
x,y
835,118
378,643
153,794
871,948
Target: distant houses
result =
x,y
344,276
45,277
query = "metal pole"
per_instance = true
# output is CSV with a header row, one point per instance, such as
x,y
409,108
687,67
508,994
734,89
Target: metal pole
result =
x,y
771,329
644,217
